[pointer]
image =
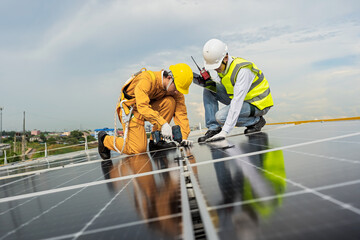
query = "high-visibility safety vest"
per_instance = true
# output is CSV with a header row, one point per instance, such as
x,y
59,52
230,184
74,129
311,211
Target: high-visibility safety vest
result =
x,y
259,93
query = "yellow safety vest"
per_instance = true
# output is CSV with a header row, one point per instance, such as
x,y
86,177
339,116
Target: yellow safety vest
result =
x,y
259,93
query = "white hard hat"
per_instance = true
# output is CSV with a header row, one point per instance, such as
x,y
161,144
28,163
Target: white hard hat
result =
x,y
214,52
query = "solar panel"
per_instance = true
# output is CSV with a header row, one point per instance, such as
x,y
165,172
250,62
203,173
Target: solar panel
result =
x,y
287,182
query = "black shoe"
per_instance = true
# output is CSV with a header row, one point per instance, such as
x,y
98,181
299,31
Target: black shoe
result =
x,y
151,145
160,145
256,127
209,134
103,151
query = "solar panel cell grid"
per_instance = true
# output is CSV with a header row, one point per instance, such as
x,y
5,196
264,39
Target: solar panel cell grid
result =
x,y
288,182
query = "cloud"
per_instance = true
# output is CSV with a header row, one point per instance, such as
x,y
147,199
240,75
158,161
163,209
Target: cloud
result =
x,y
68,61
337,62
197,112
307,36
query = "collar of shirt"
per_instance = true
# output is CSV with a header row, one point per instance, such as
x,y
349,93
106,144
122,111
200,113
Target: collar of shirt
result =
x,y
214,76
230,59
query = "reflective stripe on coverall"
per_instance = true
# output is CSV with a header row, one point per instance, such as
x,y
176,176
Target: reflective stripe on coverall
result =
x,y
151,104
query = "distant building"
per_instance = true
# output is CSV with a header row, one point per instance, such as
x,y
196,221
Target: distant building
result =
x,y
35,138
65,134
109,131
35,132
4,137
53,134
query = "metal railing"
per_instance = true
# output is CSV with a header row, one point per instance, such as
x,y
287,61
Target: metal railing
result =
x,y
45,151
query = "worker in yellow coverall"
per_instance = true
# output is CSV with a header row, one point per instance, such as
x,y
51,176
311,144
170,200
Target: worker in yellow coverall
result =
x,y
156,97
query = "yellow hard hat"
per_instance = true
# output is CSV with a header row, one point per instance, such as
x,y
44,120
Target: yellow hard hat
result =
x,y
183,77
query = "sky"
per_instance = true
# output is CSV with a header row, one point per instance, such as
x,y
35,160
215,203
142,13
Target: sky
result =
x,y
64,62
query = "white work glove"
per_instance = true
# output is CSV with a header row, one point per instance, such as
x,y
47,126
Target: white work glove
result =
x,y
223,144
166,132
186,143
220,136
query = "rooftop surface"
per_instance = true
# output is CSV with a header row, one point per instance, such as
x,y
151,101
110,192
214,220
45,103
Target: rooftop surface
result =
x,y
287,182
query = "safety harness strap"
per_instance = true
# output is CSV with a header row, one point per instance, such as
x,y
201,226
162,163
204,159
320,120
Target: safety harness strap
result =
x,y
124,108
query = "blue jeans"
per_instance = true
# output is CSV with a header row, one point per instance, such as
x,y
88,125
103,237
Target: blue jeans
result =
x,y
215,118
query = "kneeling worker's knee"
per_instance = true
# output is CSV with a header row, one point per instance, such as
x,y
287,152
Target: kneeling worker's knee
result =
x,y
168,102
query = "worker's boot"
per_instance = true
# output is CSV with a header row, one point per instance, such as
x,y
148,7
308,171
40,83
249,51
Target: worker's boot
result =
x,y
256,127
209,134
103,151
160,145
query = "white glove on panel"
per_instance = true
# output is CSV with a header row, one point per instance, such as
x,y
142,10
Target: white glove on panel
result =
x,y
166,132
220,136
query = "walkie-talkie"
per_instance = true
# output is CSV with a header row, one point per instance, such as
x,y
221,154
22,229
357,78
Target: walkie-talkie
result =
x,y
205,74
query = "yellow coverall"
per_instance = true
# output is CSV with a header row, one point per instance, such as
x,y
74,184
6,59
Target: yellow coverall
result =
x,y
151,103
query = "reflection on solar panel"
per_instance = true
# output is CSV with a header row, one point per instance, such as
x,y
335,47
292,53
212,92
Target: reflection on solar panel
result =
x,y
287,182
